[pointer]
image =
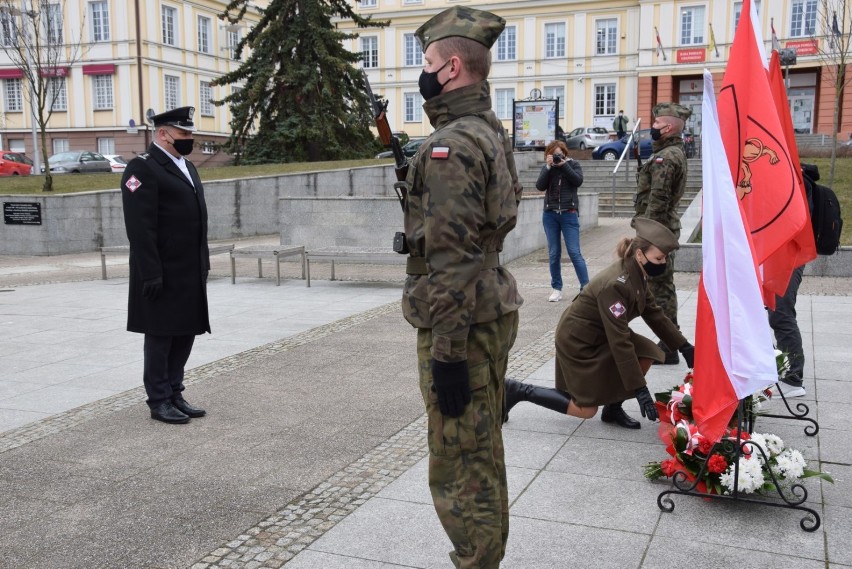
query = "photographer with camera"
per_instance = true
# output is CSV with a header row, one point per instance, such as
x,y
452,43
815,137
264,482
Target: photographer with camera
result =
x,y
559,179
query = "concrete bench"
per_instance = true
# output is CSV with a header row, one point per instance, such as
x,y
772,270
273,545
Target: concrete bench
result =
x,y
125,250
366,255
276,252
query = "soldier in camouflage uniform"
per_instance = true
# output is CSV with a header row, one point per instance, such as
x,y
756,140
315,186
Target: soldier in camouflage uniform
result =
x,y
463,196
661,181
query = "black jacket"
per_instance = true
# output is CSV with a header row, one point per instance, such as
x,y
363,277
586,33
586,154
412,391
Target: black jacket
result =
x,y
560,185
166,222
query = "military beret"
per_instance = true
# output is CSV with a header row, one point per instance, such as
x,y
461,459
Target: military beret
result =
x,y
461,21
672,110
179,118
656,234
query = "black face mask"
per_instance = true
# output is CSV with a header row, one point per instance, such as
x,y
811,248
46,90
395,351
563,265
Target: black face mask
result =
x,y
653,269
656,134
429,85
183,145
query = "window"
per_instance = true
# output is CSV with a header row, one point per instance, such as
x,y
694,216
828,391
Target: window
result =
x,y
102,89
169,17
413,53
53,23
413,107
8,27
207,147
17,145
556,93
172,87
507,44
60,145
204,33
605,100
554,40
233,42
57,97
99,16
503,100
405,2
205,97
692,25
106,146
606,33
738,8
370,52
14,96
369,3
803,19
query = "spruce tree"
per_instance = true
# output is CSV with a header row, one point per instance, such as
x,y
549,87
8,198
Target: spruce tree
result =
x,y
302,96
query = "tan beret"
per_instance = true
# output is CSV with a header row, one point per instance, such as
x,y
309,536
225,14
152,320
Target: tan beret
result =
x,y
656,234
462,21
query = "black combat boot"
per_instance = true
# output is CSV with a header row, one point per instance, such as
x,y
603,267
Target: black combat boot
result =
x,y
671,357
613,413
546,397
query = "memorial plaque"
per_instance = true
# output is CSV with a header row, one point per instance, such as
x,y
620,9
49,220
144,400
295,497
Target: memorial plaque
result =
x,y
21,213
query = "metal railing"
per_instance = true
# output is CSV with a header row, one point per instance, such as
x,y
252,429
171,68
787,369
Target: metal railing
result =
x,y
620,160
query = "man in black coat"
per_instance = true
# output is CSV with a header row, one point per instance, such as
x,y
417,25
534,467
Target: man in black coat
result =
x,y
166,220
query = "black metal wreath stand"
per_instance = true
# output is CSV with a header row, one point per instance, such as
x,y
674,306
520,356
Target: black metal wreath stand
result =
x,y
797,492
800,414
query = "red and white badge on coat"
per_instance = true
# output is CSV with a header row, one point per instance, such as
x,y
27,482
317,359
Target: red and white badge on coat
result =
x,y
440,153
133,184
617,309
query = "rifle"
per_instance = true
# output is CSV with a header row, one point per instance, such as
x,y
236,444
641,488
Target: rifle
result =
x,y
400,244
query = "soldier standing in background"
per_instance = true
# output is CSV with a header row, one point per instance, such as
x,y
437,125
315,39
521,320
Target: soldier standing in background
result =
x,y
661,184
463,195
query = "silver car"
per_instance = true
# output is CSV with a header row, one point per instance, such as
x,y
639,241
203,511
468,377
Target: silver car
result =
x,y
78,162
586,137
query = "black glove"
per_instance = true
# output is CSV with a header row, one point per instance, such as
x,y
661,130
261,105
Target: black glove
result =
x,y
451,382
688,352
152,288
646,404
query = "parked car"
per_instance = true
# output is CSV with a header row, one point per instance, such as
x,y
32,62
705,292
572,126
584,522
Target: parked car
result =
x,y
612,150
586,137
116,163
77,162
409,149
15,164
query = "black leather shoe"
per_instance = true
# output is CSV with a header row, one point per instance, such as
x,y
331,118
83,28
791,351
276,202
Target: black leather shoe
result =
x,y
187,409
168,413
615,414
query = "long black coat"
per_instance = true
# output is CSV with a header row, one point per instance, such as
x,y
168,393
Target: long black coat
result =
x,y
166,221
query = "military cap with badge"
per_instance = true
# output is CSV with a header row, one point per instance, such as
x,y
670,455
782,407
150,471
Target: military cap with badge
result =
x,y
656,234
180,117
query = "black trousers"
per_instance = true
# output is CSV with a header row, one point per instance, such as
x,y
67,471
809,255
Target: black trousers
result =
x,y
788,337
165,358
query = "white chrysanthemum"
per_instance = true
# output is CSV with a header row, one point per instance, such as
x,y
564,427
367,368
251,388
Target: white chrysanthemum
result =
x,y
774,444
758,440
789,465
750,476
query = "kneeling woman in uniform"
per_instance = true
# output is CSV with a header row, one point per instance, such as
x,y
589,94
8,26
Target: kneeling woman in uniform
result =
x,y
599,359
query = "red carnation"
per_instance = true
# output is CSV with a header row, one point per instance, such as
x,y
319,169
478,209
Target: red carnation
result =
x,y
705,446
717,464
669,467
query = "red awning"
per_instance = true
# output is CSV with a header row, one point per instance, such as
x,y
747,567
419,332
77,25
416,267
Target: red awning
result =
x,y
13,73
99,69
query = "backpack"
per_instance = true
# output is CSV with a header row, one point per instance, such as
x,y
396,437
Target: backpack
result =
x,y
825,212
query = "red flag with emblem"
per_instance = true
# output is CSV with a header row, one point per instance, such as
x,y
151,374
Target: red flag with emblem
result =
x,y
764,172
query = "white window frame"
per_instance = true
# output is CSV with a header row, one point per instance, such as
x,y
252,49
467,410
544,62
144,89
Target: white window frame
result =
x,y
205,34
106,145
507,44
168,19
799,20
233,41
60,145
208,147
369,3
503,99
606,36
99,16
53,24
555,40
556,92
102,92
738,9
413,107
171,91
605,100
413,52
370,52
205,98
693,24
8,27
13,90
56,86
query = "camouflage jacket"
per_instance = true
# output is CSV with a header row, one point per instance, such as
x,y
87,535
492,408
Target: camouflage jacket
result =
x,y
462,202
662,181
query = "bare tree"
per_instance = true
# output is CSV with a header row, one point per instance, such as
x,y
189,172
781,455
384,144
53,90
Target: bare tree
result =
x,y
32,34
835,53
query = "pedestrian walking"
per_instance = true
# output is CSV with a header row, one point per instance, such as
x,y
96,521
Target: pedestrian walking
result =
x,y
166,220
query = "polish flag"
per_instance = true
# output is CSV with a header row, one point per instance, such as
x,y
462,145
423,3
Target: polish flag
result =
x,y
734,356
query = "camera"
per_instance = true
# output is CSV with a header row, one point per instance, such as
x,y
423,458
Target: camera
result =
x,y
558,158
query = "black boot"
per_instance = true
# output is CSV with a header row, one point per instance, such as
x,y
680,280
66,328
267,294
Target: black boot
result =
x,y
546,397
613,413
671,357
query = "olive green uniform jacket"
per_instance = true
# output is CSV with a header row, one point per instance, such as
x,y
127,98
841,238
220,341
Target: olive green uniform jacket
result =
x,y
662,182
597,354
463,195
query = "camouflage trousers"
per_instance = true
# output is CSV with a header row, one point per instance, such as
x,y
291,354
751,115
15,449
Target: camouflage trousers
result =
x,y
663,289
467,469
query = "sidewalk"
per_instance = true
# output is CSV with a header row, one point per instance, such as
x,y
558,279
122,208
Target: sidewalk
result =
x,y
313,451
